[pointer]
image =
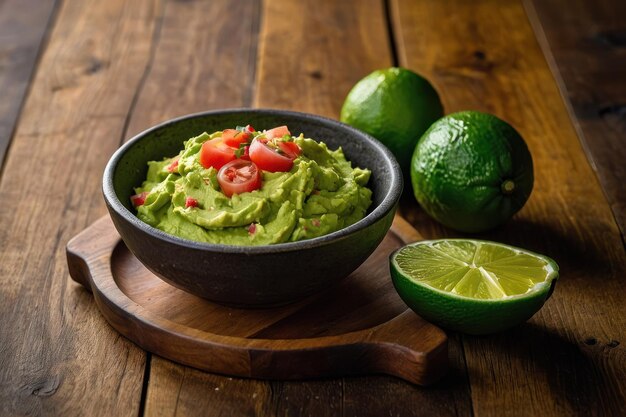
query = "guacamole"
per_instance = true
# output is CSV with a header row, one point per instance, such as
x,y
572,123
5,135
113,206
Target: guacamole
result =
x,y
319,194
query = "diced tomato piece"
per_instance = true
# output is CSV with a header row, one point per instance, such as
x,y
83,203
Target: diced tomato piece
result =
x,y
269,159
234,137
250,129
239,176
252,228
191,202
173,167
139,199
290,149
215,153
277,132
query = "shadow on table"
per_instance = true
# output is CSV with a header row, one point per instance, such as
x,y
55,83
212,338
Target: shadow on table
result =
x,y
572,369
574,252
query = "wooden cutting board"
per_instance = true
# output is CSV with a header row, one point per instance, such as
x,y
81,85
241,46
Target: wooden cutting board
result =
x,y
358,326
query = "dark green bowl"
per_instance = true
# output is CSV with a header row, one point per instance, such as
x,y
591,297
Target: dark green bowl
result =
x,y
251,276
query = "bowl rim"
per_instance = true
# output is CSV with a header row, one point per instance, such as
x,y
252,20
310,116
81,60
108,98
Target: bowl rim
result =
x,y
388,202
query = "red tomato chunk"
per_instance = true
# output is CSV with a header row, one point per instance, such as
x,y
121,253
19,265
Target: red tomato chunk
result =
x,y
139,199
191,202
239,176
268,158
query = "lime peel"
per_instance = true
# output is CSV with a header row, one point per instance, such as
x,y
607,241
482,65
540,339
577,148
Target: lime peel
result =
x,y
471,171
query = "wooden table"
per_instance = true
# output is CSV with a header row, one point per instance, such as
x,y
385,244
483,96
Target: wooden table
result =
x,y
79,77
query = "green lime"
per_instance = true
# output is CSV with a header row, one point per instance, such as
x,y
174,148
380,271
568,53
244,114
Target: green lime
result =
x,y
396,106
471,171
472,286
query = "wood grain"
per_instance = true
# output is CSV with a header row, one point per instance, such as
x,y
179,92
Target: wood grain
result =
x,y
205,59
58,356
585,45
23,25
312,69
201,62
569,359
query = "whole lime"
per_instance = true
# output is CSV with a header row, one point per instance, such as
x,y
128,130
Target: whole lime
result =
x,y
396,106
471,171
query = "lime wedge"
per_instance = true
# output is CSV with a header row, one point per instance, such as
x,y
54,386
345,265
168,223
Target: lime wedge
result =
x,y
472,286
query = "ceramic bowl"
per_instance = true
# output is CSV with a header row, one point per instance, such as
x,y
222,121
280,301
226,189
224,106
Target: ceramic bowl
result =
x,y
251,276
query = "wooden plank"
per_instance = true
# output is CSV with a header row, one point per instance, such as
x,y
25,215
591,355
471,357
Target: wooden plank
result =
x,y
328,49
205,59
176,390
201,63
23,25
58,355
312,69
584,44
567,360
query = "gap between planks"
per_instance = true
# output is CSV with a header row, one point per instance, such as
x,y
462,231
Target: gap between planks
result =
x,y
15,98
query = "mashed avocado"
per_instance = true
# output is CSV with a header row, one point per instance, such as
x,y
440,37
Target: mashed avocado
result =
x,y
321,194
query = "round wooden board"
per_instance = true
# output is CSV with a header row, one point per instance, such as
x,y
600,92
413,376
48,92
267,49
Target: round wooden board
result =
x,y
357,326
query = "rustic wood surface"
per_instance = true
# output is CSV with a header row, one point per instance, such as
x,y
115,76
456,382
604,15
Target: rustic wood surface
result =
x,y
23,25
488,59
110,69
585,45
58,355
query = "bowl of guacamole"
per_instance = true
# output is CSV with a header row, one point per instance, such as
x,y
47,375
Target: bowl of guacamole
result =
x,y
252,207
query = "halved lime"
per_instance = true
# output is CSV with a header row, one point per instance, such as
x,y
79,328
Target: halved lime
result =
x,y
472,286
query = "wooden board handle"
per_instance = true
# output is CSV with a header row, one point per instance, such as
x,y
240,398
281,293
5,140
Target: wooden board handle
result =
x,y
94,243
392,348
398,345
78,268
